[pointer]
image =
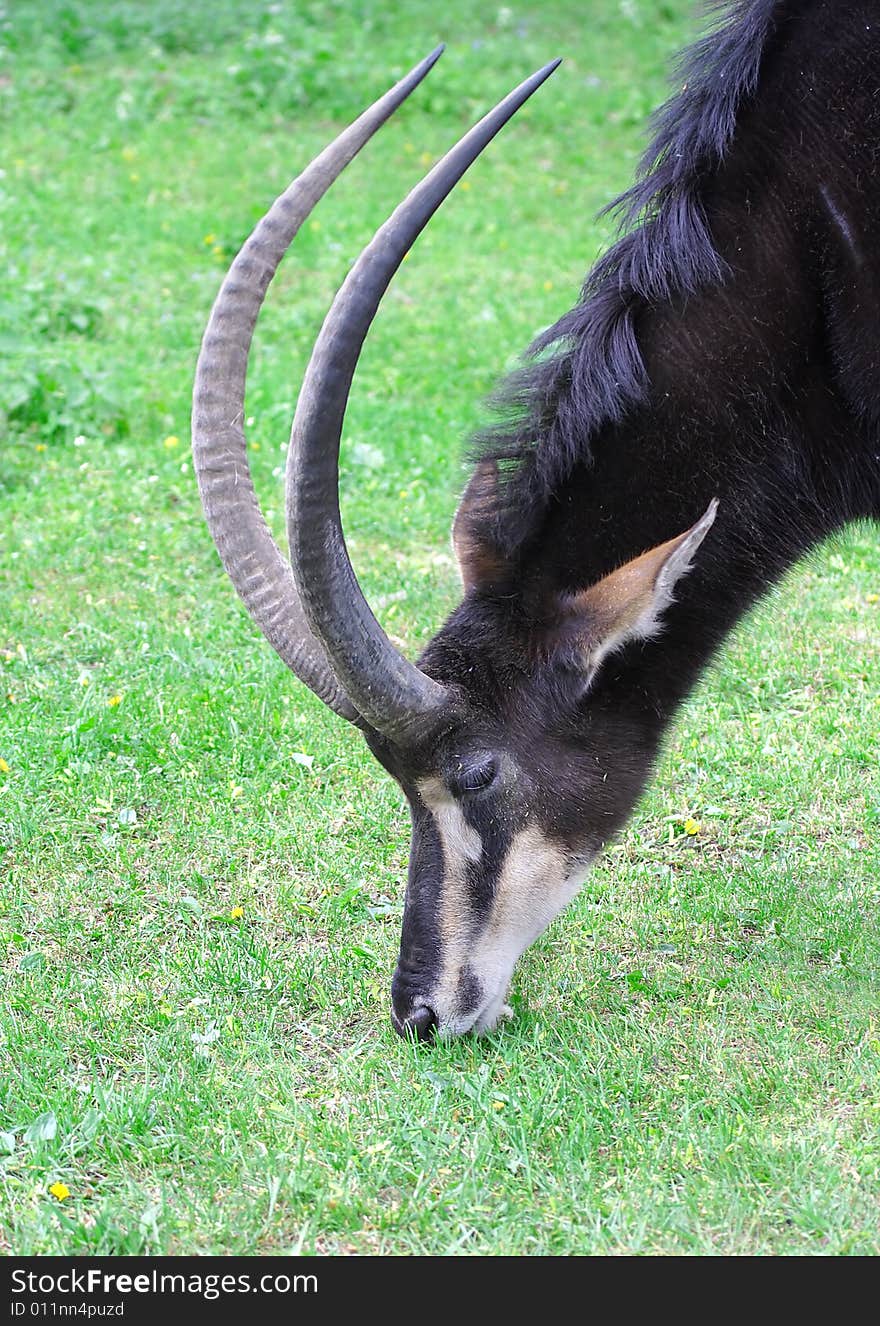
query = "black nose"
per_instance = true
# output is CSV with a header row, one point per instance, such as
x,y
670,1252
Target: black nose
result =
x,y
420,1023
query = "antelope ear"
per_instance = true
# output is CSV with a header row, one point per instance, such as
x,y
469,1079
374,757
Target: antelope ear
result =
x,y
480,562
627,604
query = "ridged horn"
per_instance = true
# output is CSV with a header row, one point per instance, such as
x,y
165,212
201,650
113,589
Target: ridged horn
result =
x,y
391,693
250,555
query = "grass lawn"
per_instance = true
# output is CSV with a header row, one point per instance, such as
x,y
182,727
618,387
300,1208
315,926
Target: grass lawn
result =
x,y
201,869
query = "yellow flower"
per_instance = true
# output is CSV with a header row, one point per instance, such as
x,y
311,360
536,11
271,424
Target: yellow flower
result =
x,y
691,827
171,441
872,598
217,250
129,153
114,701
4,767
84,679
235,790
210,239
41,446
60,1190
237,913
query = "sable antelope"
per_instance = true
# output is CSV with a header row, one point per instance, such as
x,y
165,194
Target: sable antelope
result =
x,y
707,412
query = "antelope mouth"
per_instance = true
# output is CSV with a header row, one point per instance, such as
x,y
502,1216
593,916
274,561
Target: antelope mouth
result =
x,y
425,1024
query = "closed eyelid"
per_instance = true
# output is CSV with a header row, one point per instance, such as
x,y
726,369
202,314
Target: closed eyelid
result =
x,y
474,777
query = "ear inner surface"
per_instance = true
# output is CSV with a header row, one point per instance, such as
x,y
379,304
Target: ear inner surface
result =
x,y
628,603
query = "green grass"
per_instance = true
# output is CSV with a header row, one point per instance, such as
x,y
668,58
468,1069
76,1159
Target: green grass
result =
x,y
693,1066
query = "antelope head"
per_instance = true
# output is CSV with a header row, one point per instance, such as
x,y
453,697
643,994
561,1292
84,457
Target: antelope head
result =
x,y
517,763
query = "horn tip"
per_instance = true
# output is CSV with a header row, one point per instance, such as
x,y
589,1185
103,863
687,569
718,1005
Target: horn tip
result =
x,y
430,60
525,90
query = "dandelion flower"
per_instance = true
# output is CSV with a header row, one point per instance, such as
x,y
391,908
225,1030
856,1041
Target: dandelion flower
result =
x,y
691,827
60,1191
171,441
237,913
114,701
4,767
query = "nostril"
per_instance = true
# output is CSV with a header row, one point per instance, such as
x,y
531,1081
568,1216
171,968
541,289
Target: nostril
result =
x,y
420,1023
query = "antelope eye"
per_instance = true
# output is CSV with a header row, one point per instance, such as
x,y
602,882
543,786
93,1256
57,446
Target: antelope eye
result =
x,y
476,777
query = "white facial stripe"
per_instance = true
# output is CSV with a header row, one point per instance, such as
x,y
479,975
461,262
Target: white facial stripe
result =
x,y
460,842
461,845
535,883
531,890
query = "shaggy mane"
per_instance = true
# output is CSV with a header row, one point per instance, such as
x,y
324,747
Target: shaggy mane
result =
x,y
586,371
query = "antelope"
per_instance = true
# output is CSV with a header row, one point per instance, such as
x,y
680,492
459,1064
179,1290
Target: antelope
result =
x,y
707,412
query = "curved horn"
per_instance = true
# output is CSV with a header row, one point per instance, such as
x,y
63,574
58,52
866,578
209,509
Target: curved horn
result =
x,y
255,565
392,694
